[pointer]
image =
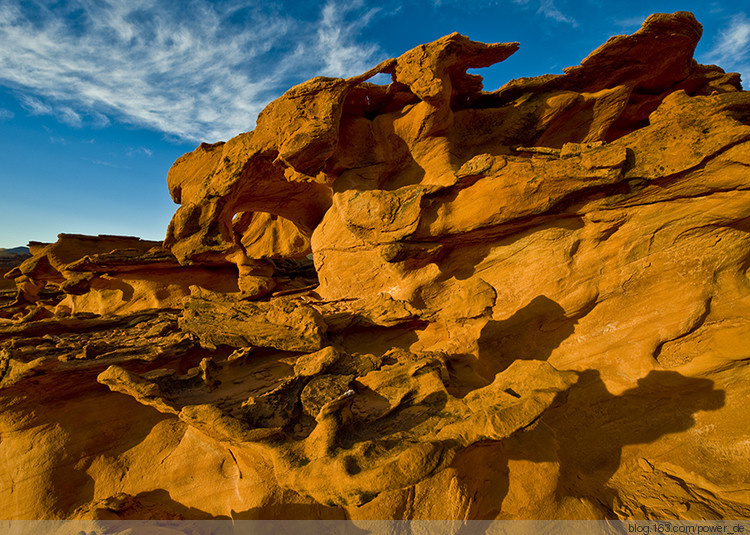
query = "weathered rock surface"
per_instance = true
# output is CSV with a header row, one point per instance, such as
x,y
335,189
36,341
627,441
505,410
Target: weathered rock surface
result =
x,y
10,259
106,275
419,300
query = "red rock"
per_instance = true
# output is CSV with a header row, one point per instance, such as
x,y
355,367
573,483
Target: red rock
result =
x,y
523,303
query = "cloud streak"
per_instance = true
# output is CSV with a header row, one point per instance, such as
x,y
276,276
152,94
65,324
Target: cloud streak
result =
x,y
192,69
335,43
732,48
549,10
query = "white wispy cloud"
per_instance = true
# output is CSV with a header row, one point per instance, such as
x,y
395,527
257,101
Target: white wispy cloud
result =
x,y
549,10
632,23
335,41
105,163
192,69
35,106
731,50
6,115
137,152
53,137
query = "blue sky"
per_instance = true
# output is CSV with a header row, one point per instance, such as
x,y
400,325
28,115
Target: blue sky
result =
x,y
98,98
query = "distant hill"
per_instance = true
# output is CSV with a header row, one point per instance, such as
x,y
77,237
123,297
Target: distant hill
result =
x,y
14,251
10,258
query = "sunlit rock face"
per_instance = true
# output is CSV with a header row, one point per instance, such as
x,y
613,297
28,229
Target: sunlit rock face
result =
x,y
419,300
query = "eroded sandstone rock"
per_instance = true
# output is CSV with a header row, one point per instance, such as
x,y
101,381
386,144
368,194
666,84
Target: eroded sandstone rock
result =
x,y
420,300
346,429
107,275
282,323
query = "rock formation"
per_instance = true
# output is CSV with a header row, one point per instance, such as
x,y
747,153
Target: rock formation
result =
x,y
419,300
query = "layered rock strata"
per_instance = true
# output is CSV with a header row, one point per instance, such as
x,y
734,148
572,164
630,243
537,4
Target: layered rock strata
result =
x,y
419,300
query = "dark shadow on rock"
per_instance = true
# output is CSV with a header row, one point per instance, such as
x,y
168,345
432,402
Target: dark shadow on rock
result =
x,y
399,169
462,253
72,487
93,421
593,426
585,430
157,506
531,333
377,340
401,419
290,511
127,290
161,504
571,124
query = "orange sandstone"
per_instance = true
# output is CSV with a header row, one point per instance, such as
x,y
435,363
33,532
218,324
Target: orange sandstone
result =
x,y
420,300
